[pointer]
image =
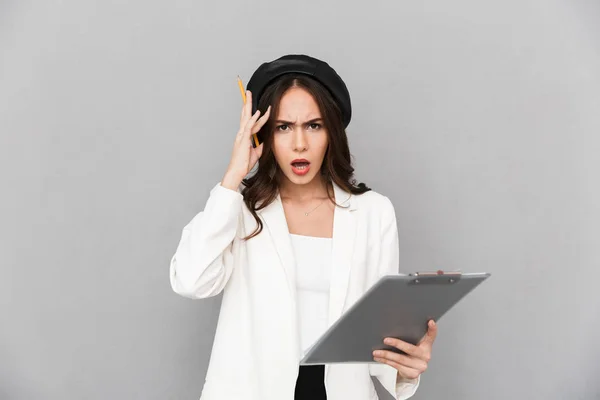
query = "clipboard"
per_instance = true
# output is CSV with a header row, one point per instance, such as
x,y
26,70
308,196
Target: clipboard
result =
x,y
396,306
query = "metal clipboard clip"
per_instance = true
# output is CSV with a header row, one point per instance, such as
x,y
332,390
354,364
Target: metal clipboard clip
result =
x,y
438,276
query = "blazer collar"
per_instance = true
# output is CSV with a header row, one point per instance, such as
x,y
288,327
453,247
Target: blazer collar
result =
x,y
344,234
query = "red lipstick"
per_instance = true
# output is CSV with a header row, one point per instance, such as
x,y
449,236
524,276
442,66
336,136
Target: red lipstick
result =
x,y
300,166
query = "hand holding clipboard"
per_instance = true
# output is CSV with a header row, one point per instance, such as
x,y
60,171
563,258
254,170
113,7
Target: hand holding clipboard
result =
x,y
415,359
399,307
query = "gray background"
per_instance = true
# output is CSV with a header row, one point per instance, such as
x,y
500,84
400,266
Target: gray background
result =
x,y
480,120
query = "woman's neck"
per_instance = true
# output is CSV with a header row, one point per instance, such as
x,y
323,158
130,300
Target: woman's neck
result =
x,y
317,188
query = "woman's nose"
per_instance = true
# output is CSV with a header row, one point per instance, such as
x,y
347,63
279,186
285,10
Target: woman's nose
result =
x,y
300,142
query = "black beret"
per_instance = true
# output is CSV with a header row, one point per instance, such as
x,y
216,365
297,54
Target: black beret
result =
x,y
301,64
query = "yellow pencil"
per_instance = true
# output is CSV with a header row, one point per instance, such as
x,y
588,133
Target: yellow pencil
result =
x,y
243,92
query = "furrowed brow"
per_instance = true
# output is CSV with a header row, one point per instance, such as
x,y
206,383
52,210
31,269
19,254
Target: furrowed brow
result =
x,y
312,121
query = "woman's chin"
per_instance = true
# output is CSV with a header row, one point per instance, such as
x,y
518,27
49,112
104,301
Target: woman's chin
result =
x,y
300,179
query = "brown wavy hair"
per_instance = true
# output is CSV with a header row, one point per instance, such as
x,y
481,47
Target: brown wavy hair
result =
x,y
262,187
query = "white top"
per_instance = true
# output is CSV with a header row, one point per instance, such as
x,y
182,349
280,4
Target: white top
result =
x,y
313,277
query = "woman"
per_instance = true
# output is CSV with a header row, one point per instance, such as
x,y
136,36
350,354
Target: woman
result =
x,y
292,246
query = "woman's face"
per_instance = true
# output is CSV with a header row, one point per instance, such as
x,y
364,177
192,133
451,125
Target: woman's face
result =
x,y
300,139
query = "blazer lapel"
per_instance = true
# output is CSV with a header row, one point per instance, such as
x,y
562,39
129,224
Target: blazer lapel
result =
x,y
344,234
276,224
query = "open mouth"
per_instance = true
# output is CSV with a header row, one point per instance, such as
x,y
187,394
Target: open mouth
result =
x,y
300,167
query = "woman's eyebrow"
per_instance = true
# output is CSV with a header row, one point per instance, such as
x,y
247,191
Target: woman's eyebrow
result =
x,y
312,121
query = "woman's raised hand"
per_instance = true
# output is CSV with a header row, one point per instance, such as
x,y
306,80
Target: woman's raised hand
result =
x,y
244,156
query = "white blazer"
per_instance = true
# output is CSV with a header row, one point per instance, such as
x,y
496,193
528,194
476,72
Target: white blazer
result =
x,y
256,350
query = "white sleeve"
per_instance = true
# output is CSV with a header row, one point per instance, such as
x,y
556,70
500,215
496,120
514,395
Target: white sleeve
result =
x,y
203,261
389,264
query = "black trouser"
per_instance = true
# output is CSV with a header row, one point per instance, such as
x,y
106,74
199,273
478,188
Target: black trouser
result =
x,y
310,384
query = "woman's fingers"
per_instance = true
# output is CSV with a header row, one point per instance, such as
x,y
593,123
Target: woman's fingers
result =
x,y
410,349
415,359
242,115
430,335
261,121
246,130
406,372
258,151
400,359
250,124
246,110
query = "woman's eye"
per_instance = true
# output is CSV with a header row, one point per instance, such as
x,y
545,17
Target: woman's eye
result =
x,y
315,126
282,127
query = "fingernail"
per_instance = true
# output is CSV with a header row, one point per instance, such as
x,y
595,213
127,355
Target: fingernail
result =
x,y
377,353
387,341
